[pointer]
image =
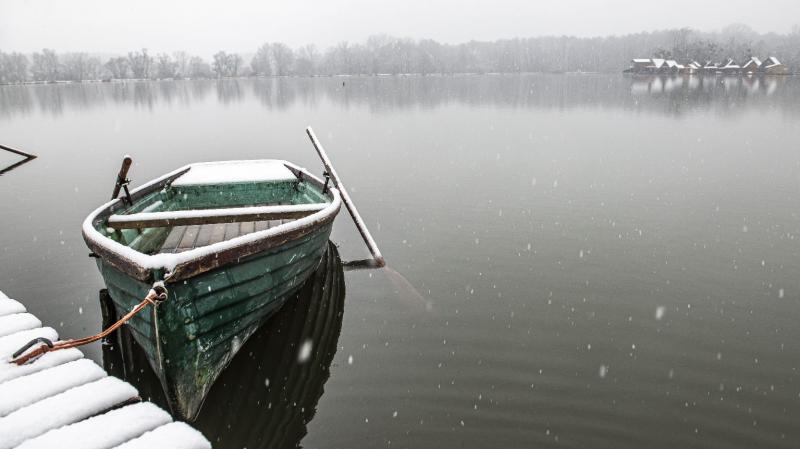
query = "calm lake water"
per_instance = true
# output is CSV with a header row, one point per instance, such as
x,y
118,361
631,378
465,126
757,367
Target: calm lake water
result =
x,y
577,260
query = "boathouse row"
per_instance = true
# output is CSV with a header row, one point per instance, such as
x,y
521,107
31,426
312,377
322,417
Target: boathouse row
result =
x,y
770,66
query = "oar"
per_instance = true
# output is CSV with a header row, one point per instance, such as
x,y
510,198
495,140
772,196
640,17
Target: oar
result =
x,y
359,222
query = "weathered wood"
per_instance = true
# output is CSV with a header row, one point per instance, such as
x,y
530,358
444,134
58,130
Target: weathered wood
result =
x,y
247,227
173,239
189,237
63,400
217,234
15,165
19,152
351,207
211,216
122,176
134,268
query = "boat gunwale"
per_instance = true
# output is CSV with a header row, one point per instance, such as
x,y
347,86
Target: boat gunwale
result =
x,y
187,264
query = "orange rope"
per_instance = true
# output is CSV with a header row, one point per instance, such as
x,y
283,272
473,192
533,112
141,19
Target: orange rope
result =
x,y
155,295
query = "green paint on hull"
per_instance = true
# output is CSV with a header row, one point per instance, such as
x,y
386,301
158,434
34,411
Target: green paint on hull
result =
x,y
193,335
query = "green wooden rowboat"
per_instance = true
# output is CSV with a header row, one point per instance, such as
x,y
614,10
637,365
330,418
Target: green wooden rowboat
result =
x,y
230,240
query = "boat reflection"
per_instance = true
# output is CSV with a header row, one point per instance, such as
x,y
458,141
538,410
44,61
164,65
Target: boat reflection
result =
x,y
269,392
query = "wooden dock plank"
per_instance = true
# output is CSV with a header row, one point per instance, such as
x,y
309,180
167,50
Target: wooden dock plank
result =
x,y
10,343
9,306
62,400
24,391
10,371
65,408
103,431
11,324
176,435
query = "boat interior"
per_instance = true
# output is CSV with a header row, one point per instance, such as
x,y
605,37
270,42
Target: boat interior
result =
x,y
163,227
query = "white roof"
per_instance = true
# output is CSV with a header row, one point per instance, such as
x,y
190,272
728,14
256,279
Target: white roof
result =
x,y
235,171
772,61
671,63
640,60
755,60
658,62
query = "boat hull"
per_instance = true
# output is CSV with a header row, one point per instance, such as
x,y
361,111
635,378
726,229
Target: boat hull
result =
x,y
193,335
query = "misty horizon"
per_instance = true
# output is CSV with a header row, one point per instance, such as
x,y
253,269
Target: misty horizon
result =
x,y
238,26
743,30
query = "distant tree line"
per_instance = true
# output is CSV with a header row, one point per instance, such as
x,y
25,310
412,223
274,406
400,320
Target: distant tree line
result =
x,y
389,55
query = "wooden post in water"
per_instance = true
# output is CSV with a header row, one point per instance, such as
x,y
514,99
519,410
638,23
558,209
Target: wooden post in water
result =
x,y
21,153
359,222
27,158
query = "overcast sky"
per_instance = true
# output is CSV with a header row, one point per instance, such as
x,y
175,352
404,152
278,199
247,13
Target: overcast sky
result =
x,y
204,27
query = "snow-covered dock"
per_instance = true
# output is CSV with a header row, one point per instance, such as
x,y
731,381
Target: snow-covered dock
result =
x,y
63,400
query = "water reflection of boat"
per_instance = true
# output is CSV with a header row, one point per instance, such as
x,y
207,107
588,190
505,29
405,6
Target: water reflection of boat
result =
x,y
270,390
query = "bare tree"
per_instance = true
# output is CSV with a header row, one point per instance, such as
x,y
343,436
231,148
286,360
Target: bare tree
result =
x,y
45,66
13,67
262,60
77,66
140,64
118,67
165,66
182,60
199,68
307,60
227,64
283,56
235,64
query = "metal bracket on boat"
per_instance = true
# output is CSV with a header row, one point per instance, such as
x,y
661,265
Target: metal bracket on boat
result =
x,y
123,181
327,180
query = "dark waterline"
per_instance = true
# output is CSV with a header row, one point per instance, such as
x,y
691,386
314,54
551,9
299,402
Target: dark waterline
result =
x,y
581,261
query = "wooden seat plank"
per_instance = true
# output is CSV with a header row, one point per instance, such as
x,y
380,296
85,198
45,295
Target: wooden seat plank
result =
x,y
211,216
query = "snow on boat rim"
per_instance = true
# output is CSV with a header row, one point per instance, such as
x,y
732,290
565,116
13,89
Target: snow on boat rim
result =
x,y
169,261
